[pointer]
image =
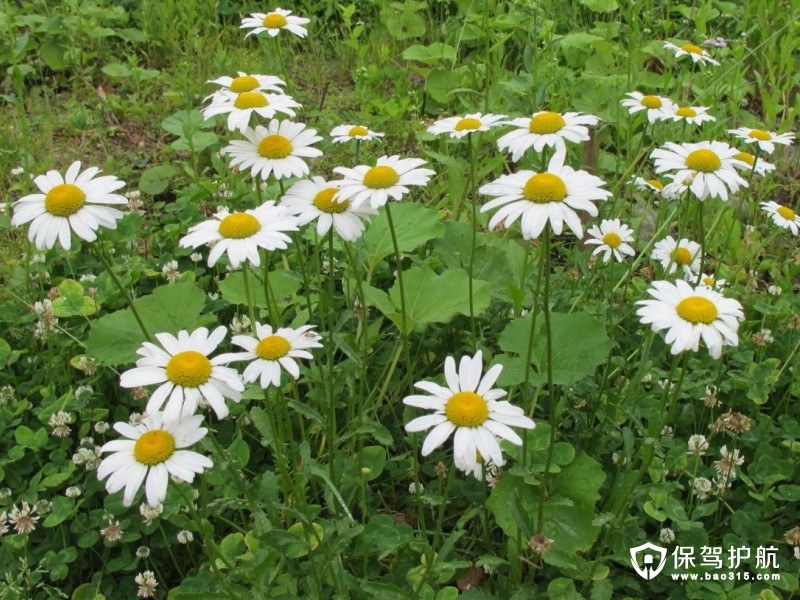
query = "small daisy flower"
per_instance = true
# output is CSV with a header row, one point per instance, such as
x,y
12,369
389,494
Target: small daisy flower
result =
x,y
709,281
241,234
654,105
469,407
243,83
782,216
389,178
744,161
654,185
766,140
673,255
70,203
709,164
694,115
317,199
345,133
691,314
241,107
153,450
278,150
544,129
612,237
696,53
458,127
273,22
184,373
274,350
554,196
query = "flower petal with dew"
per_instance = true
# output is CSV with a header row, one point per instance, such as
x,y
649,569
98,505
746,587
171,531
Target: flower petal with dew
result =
x,y
458,127
241,234
553,196
317,199
241,107
710,165
612,237
273,351
766,140
149,453
684,254
654,105
782,216
696,53
70,203
346,133
273,22
390,178
278,150
546,128
186,374
470,409
690,314
694,115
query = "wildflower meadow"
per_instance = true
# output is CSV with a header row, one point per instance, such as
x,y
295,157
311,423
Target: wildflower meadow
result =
x,y
480,299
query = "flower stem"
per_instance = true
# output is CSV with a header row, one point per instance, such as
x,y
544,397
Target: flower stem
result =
x,y
470,191
104,258
329,349
403,313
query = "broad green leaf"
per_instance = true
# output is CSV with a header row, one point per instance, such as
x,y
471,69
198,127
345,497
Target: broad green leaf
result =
x,y
155,180
577,47
603,6
414,225
72,302
27,438
184,122
430,54
281,283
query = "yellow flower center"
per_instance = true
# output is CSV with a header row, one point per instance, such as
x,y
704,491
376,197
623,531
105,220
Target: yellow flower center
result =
x,y
546,122
710,281
786,212
468,124
275,146
760,134
746,157
705,161
250,100
681,256
273,347
188,369
656,184
64,200
244,83
381,177
154,447
697,309
612,240
545,187
692,49
274,21
325,202
651,102
358,130
238,226
685,111
466,409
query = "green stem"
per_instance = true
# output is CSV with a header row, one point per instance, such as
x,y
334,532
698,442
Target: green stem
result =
x,y
403,312
470,192
101,254
329,349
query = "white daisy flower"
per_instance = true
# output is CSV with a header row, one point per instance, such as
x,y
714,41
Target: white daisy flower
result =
x,y
673,255
546,128
710,164
536,198
273,22
241,234
70,203
694,115
273,350
654,185
458,127
240,107
709,281
696,53
766,140
278,149
152,451
612,237
480,468
690,314
678,184
389,178
317,199
471,408
744,161
345,133
184,373
782,216
654,105
244,83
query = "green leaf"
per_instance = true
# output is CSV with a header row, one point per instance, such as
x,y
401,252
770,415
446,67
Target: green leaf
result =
x,y
61,509
71,301
52,54
114,338
185,122
117,70
281,282
579,344
577,47
430,54
155,180
27,438
603,6
197,142
442,83
374,459
414,225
